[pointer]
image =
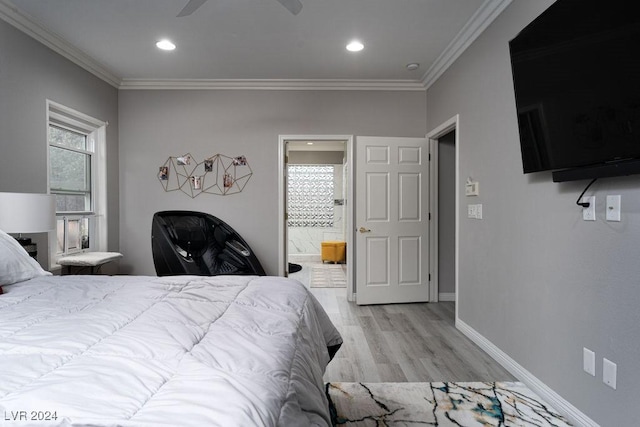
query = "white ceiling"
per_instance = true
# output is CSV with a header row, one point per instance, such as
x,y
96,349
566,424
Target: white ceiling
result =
x,y
232,41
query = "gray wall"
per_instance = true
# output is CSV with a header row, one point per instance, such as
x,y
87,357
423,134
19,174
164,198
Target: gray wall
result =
x,y
447,213
157,124
535,279
30,73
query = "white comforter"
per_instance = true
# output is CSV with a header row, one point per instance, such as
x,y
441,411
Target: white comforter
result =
x,y
173,351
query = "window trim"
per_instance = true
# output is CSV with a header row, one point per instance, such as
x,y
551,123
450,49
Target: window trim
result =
x,y
95,130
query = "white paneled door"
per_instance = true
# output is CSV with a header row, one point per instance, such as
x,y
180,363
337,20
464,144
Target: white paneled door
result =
x,y
392,220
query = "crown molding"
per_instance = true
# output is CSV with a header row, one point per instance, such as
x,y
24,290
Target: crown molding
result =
x,y
271,84
479,22
29,26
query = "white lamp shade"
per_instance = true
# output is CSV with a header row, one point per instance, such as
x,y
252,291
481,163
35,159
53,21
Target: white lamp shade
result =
x,y
27,212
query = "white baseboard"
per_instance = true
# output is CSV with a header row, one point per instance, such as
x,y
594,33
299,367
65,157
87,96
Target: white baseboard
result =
x,y
537,386
447,296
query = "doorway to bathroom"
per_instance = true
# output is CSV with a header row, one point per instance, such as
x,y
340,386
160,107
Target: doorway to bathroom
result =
x,y
316,187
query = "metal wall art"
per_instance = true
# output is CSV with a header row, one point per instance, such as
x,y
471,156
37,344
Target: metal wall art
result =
x,y
219,174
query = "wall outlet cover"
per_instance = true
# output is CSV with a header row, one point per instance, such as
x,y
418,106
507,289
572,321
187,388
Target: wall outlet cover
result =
x,y
589,214
613,208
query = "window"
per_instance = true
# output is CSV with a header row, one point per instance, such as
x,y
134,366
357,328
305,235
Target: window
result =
x,y
310,195
76,177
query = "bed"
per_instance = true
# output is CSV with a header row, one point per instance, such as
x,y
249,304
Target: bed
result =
x,y
153,351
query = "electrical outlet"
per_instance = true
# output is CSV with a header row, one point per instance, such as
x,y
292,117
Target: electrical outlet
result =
x,y
589,361
589,214
613,208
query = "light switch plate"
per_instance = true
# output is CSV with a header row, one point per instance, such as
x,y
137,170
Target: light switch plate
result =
x,y
613,208
589,361
609,373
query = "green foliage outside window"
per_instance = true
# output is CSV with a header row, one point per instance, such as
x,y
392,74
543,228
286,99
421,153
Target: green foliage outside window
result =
x,y
70,170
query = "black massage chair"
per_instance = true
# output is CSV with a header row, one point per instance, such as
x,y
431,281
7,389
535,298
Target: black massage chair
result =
x,y
184,242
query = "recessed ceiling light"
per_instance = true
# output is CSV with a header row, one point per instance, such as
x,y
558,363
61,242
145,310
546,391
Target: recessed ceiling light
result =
x,y
165,45
309,143
355,46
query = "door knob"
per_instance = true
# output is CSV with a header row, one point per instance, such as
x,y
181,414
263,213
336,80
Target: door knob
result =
x,y
364,230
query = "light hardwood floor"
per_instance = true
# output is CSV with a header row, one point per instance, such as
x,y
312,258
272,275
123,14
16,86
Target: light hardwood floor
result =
x,y
403,343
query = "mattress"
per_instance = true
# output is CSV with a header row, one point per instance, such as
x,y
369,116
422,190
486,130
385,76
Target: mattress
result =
x,y
170,351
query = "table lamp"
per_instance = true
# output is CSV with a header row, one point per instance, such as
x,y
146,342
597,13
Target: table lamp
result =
x,y
27,213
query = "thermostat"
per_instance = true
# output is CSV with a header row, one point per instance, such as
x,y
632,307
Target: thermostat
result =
x,y
472,188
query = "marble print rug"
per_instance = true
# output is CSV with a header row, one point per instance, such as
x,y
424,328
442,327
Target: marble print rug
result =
x,y
460,404
328,276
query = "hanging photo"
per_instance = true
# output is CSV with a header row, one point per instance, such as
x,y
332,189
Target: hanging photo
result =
x,y
208,165
164,173
228,181
240,161
196,182
186,160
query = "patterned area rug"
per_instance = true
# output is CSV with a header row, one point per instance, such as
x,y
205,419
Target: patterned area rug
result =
x,y
328,276
460,404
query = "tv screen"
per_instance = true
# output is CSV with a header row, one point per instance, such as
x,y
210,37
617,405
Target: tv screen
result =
x,y
576,72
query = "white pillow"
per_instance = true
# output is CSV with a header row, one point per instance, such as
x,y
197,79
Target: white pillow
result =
x,y
15,263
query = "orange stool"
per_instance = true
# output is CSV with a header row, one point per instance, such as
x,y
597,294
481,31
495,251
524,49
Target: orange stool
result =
x,y
334,251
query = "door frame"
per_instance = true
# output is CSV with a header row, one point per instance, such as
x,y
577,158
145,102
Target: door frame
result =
x,y
282,198
433,136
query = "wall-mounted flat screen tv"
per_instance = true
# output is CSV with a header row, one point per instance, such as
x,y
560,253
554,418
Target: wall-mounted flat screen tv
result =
x,y
576,73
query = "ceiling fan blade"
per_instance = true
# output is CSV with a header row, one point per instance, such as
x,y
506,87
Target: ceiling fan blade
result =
x,y
293,6
191,7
